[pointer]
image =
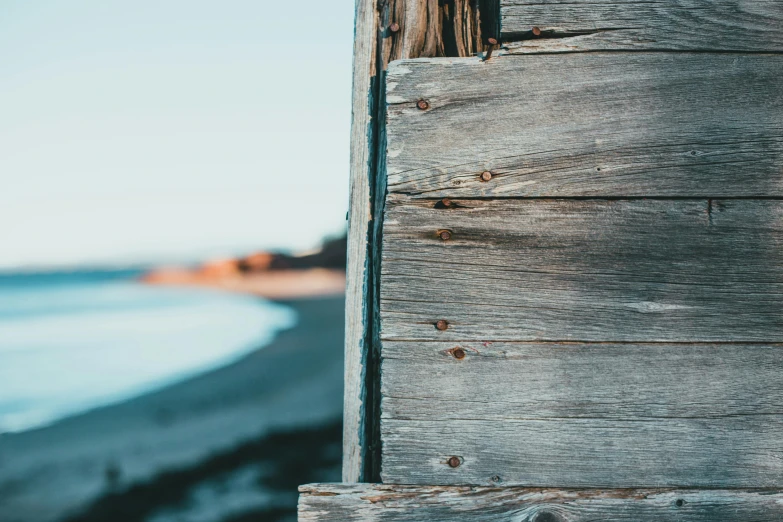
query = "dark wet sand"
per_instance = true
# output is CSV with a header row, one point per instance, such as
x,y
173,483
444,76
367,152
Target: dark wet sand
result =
x,y
229,445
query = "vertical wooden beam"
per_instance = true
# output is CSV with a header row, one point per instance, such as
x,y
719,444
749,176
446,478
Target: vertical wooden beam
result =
x,y
384,30
359,218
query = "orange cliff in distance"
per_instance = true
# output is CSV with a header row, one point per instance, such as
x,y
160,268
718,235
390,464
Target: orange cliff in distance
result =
x,y
269,275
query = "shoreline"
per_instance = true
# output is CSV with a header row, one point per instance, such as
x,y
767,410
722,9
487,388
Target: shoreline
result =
x,y
294,384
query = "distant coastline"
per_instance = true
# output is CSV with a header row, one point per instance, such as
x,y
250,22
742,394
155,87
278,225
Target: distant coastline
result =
x,y
271,275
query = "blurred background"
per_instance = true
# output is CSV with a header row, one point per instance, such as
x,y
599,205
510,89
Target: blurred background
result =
x,y
173,195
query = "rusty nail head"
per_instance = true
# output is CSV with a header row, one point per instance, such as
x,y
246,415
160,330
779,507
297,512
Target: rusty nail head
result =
x,y
446,202
441,325
394,27
536,31
492,41
445,235
454,462
458,353
486,175
423,105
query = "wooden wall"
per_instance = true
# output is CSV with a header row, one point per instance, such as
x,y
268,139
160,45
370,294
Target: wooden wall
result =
x,y
598,236
578,280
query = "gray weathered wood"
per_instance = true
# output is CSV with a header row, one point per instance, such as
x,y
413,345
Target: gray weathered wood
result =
x,y
583,415
420,32
587,124
359,217
580,25
584,270
382,503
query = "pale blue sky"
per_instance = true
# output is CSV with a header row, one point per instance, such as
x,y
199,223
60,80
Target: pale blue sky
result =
x,y
171,129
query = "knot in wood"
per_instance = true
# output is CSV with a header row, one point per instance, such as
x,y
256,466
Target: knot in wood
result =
x,y
546,516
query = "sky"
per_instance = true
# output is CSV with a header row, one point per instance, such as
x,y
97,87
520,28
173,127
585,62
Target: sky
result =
x,y
165,130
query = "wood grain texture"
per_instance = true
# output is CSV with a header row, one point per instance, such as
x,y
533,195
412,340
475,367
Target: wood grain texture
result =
x,y
430,28
359,218
584,270
582,25
424,28
587,124
382,503
583,415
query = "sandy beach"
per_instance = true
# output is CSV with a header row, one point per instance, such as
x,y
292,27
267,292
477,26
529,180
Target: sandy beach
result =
x,y
228,445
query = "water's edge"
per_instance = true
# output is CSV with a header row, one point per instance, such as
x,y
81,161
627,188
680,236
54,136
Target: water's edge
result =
x,y
73,342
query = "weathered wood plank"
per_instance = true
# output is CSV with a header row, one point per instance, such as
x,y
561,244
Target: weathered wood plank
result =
x,y
587,124
363,142
500,381
582,25
584,270
583,415
381,503
583,452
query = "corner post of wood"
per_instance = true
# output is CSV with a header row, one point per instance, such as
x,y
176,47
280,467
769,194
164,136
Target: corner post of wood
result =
x,y
384,30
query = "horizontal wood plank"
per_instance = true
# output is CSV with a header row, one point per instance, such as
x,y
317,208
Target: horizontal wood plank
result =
x,y
587,124
382,503
537,381
581,25
583,415
584,270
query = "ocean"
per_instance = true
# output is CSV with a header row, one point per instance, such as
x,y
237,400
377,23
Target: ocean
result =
x,y
73,341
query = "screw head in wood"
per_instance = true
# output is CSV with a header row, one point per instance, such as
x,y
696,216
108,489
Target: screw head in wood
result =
x,y
454,462
679,502
536,31
486,175
445,235
394,27
442,325
458,353
492,41
446,202
423,105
